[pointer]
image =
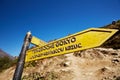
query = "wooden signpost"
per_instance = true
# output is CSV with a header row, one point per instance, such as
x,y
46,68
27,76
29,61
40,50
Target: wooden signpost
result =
x,y
82,40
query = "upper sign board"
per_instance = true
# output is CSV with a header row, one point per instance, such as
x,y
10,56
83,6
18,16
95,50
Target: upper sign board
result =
x,y
37,41
90,38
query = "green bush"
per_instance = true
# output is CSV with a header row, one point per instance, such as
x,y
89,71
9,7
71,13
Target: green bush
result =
x,y
118,21
6,62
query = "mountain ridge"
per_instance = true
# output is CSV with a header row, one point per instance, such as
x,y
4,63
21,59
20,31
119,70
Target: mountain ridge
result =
x,y
4,54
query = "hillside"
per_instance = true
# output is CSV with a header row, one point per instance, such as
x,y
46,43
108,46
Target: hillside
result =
x,y
114,41
101,63
6,60
4,54
91,64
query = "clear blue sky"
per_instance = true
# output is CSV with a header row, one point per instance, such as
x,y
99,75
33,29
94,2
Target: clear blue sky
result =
x,y
51,19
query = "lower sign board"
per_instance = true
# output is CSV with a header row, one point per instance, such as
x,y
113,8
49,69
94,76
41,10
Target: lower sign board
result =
x,y
90,38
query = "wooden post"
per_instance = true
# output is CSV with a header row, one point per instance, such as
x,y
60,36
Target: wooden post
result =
x,y
21,59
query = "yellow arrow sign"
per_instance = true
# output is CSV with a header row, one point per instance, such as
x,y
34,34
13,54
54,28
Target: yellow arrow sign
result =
x,y
37,41
82,40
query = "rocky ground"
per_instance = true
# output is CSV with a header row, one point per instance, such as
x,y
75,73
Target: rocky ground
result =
x,y
91,64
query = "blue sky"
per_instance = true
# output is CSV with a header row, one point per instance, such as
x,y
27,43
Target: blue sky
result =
x,y
51,19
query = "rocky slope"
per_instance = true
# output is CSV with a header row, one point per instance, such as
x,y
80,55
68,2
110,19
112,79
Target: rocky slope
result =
x,y
91,64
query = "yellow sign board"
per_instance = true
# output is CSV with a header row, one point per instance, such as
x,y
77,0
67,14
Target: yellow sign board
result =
x,y
82,40
37,41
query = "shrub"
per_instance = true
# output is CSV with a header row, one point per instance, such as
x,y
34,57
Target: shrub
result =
x,y
6,62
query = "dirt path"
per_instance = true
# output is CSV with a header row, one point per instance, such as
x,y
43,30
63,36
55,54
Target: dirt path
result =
x,y
7,74
74,66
